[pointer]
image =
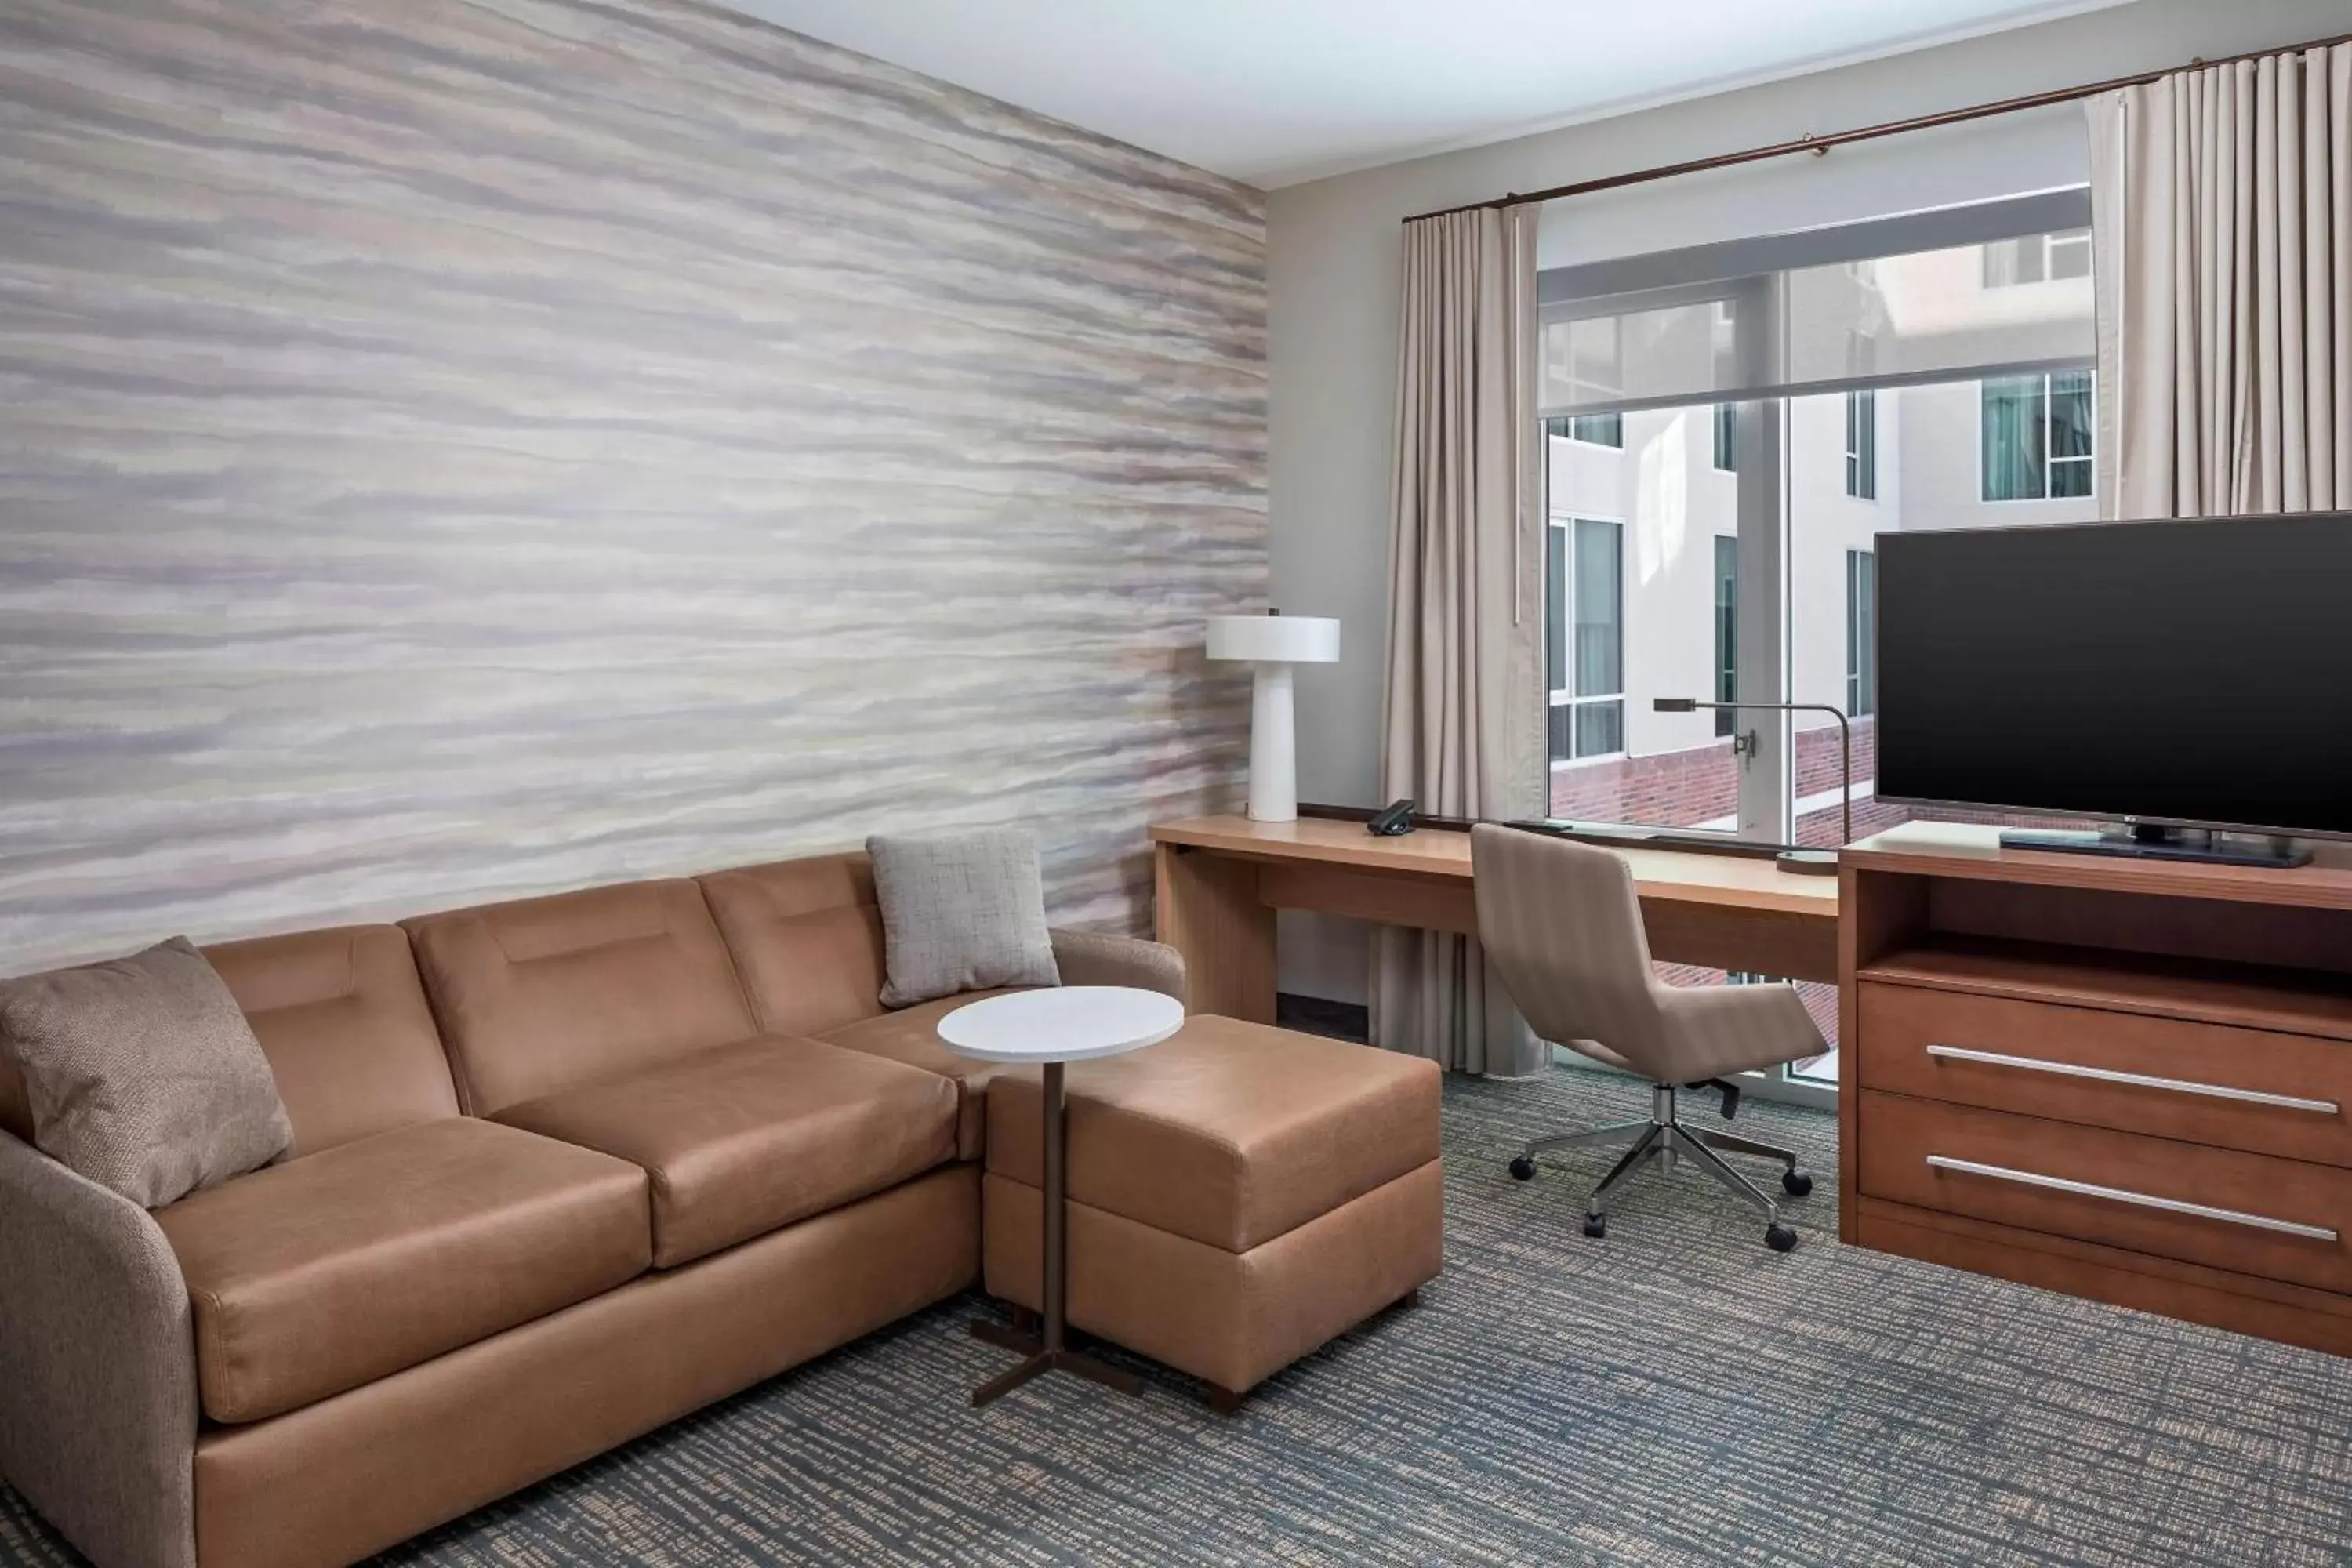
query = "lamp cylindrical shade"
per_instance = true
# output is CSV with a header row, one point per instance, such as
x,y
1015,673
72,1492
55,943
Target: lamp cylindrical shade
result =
x,y
1274,639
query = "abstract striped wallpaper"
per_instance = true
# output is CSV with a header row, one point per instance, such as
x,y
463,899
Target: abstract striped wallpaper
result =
x,y
454,449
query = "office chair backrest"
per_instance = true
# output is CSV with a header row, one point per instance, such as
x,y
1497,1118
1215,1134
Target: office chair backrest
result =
x,y
1562,925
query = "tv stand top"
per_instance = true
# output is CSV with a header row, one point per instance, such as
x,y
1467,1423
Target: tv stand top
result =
x,y
1974,852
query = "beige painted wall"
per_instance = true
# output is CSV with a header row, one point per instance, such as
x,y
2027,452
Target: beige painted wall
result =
x,y
1333,264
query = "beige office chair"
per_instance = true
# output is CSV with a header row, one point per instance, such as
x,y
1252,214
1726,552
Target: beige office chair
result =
x,y
1562,928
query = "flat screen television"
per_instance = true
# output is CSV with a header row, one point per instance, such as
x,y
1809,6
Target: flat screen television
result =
x,y
2162,676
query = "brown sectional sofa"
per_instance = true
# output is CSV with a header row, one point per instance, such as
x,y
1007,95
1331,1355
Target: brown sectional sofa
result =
x,y
563,1170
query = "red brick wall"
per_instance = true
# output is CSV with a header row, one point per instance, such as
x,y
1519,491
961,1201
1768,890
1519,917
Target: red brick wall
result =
x,y
1677,789
1681,789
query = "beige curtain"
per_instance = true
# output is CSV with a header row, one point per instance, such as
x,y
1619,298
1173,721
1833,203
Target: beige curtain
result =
x,y
2222,208
1463,717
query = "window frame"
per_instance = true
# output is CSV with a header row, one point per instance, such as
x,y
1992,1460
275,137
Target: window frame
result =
x,y
1561,533
2087,461
1862,444
1861,634
1727,634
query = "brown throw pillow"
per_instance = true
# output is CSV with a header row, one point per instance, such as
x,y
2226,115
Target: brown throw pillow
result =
x,y
142,1073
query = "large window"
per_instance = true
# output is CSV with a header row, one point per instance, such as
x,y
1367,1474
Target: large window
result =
x,y
1862,445
1861,633
2036,436
1762,392
1586,652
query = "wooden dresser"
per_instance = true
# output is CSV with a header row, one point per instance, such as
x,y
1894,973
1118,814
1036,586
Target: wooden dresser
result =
x,y
2127,1080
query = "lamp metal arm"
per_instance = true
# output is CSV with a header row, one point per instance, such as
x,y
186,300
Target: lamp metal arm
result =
x,y
1845,740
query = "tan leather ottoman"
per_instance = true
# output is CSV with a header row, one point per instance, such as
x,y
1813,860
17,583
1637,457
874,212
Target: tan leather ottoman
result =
x,y
1238,1195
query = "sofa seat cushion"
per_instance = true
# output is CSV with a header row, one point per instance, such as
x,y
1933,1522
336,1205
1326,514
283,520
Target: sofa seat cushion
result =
x,y
1229,1133
745,1139
911,1036
333,1271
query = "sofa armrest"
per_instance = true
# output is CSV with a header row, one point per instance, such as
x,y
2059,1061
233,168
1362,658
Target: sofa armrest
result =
x,y
98,1375
1096,958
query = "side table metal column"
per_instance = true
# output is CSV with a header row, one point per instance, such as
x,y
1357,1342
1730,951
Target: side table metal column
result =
x,y
1049,1350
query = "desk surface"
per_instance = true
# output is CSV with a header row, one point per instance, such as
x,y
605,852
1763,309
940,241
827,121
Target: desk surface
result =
x,y
1677,876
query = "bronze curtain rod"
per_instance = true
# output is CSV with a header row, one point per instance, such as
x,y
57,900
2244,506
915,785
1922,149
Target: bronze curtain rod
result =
x,y
1869,132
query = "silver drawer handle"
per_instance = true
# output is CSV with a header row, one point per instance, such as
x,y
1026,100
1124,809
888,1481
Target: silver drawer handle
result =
x,y
2137,1080
2140,1200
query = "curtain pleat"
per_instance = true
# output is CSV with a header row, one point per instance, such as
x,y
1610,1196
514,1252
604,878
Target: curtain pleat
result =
x,y
2221,202
1462,719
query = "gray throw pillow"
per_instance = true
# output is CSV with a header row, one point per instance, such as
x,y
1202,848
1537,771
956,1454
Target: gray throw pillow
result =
x,y
961,911
142,1073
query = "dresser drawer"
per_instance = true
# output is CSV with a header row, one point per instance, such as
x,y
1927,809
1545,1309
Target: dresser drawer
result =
x,y
2279,1219
2202,1083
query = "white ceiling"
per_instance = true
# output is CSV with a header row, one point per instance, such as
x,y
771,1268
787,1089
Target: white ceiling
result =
x,y
1276,92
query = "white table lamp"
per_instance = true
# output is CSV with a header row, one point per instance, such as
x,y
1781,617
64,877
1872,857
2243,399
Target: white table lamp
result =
x,y
1273,642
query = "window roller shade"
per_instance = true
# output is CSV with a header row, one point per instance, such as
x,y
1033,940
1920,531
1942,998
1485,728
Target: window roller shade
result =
x,y
1918,312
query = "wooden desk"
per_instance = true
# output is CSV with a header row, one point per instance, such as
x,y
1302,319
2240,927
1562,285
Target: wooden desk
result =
x,y
1221,879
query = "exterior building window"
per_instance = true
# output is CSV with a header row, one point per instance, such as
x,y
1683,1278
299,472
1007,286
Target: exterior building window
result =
x,y
1585,637
1862,445
1592,429
2037,437
1726,437
2038,259
1727,632
1861,633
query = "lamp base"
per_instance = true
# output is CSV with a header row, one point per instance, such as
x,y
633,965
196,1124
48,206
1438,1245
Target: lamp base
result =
x,y
1274,747
1808,862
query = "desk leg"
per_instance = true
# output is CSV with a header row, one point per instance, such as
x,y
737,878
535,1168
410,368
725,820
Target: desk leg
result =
x,y
1210,911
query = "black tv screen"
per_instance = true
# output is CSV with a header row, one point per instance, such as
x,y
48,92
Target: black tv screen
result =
x,y
2197,673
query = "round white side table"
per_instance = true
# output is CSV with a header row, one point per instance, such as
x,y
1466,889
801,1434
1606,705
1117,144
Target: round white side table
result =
x,y
1050,1026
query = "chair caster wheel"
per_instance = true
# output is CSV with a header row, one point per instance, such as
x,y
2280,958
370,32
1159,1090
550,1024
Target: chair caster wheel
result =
x,y
1796,1184
1780,1237
1596,1225
1523,1169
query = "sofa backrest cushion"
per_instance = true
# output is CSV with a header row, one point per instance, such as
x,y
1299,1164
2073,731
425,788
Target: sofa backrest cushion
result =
x,y
545,994
342,1018
343,1021
807,940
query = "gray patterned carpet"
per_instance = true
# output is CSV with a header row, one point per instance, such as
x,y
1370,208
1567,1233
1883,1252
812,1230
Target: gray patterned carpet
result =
x,y
1675,1395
